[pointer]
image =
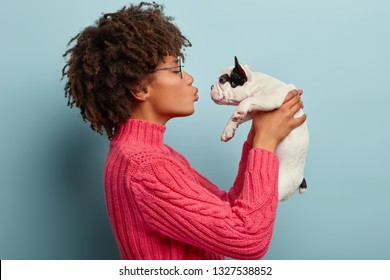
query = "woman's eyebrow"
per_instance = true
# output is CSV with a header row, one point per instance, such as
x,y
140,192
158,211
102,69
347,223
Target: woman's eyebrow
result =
x,y
176,61
173,63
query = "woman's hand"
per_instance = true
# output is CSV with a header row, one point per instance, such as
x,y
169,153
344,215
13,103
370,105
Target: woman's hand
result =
x,y
270,128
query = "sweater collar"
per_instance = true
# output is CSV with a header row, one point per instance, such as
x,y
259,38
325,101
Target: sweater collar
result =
x,y
140,132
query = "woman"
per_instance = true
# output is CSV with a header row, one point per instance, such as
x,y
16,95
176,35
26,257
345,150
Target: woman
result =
x,y
125,75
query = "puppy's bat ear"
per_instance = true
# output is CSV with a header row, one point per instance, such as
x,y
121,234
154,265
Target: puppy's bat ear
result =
x,y
239,70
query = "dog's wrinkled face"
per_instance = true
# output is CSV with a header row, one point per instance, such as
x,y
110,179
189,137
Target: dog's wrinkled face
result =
x,y
230,88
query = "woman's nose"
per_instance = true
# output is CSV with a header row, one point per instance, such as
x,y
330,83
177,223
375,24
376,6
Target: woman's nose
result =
x,y
189,79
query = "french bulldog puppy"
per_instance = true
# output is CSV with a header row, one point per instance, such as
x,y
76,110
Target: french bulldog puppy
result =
x,y
249,90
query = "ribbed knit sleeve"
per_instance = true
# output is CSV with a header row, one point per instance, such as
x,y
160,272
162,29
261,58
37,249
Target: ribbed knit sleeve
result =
x,y
235,190
172,202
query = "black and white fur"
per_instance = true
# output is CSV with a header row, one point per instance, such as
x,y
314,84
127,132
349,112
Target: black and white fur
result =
x,y
238,85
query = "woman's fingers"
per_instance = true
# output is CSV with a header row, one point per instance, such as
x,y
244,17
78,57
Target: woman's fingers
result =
x,y
298,121
293,105
290,96
292,102
292,93
295,108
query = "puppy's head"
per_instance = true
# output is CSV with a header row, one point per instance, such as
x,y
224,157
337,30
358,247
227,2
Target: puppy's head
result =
x,y
230,89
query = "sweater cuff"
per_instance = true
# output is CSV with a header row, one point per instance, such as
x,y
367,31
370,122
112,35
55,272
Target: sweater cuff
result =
x,y
262,159
246,147
262,176
244,155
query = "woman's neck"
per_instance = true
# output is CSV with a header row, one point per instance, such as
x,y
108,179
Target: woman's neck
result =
x,y
141,113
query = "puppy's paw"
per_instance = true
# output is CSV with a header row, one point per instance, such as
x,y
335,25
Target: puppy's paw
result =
x,y
239,115
228,133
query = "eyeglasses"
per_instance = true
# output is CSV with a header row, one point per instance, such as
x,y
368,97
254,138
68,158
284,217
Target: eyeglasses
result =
x,y
171,67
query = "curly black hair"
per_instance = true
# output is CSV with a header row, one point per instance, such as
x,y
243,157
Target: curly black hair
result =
x,y
115,56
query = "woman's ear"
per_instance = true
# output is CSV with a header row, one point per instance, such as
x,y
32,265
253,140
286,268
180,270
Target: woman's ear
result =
x,y
139,93
141,90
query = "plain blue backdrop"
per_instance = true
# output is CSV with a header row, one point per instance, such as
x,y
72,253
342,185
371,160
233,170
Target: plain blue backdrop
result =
x,y
51,167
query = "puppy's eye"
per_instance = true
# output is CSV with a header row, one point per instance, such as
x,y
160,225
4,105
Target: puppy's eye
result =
x,y
224,78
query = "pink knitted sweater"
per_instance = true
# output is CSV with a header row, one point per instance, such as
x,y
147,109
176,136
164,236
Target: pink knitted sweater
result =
x,y
161,208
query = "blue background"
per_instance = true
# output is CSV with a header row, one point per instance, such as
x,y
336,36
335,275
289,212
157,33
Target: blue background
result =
x,y
51,167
